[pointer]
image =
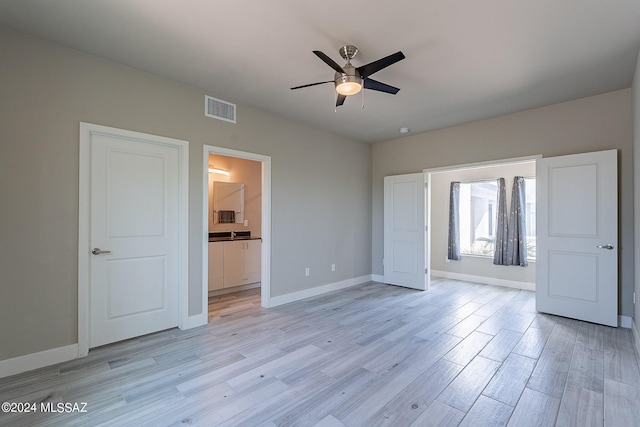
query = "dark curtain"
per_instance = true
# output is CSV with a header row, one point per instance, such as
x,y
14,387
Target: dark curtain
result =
x,y
517,240
454,222
500,246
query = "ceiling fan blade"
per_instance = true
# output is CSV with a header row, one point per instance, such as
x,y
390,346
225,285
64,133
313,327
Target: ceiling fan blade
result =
x,y
379,86
330,62
311,84
340,100
375,66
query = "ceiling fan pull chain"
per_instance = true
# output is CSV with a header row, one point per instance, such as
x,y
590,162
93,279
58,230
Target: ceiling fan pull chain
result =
x,y
362,95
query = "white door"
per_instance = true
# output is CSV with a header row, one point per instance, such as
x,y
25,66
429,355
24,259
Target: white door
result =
x,y
405,252
136,213
577,237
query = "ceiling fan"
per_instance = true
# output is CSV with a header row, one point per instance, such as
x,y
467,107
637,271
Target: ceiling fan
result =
x,y
350,80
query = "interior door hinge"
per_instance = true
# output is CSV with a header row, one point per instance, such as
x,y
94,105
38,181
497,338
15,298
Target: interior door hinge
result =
x,y
426,270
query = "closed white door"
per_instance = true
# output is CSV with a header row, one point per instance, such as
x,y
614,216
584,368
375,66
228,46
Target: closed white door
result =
x,y
577,237
135,236
405,252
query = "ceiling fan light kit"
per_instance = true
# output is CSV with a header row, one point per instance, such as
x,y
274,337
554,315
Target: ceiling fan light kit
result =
x,y
349,80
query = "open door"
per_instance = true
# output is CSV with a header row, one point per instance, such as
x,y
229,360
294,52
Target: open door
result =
x,y
577,241
405,251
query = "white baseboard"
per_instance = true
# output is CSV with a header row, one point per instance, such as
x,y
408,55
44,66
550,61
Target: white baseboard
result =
x,y
527,286
377,278
38,360
318,290
625,321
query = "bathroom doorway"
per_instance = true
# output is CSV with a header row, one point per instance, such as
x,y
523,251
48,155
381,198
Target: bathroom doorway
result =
x,y
245,234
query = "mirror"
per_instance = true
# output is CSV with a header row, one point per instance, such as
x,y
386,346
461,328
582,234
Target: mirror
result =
x,y
228,203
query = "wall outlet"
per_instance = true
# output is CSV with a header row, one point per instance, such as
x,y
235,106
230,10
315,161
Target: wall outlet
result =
x,y
306,271
333,267
246,222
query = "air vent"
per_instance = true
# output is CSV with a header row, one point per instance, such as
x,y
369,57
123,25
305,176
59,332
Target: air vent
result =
x,y
219,109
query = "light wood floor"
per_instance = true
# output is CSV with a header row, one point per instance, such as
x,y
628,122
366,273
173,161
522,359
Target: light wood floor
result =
x,y
372,355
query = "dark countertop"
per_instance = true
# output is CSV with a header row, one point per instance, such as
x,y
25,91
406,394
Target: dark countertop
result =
x,y
225,236
230,239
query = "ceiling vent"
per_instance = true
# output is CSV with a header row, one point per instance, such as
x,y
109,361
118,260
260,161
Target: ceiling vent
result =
x,y
219,109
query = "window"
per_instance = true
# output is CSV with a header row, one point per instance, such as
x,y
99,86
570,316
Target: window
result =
x,y
478,207
530,216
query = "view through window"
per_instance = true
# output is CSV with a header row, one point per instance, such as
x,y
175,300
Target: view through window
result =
x,y
478,217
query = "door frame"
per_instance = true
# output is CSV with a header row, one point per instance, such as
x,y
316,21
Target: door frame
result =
x,y
84,222
265,264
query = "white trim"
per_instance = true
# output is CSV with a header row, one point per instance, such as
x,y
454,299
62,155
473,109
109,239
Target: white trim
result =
x,y
194,321
527,286
625,321
318,290
84,226
265,270
477,165
377,278
38,360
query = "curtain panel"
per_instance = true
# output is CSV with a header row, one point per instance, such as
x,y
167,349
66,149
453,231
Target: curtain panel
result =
x,y
517,237
453,252
500,246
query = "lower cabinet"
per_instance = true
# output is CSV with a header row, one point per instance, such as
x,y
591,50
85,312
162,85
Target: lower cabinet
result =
x,y
216,269
236,263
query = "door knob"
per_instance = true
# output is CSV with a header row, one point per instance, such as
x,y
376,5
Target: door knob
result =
x,y
98,251
607,246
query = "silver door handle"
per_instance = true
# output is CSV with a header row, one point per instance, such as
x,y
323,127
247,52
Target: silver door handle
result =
x,y
607,246
98,251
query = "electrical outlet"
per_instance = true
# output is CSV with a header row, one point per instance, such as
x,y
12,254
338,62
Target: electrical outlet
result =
x,y
306,271
333,267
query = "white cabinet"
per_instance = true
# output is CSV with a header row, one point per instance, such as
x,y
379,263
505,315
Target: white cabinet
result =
x,y
241,262
216,269
234,263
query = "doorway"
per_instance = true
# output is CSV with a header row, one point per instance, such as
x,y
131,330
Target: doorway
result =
x,y
264,225
477,222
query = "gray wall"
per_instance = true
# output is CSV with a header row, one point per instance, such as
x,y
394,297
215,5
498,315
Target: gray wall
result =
x,y
321,183
476,266
590,124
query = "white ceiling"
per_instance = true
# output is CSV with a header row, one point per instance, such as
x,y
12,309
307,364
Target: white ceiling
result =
x,y
466,60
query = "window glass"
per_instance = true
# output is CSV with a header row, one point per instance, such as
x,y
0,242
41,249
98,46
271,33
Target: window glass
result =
x,y
478,207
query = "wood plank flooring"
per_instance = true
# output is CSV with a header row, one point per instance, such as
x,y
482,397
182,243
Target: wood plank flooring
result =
x,y
372,355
